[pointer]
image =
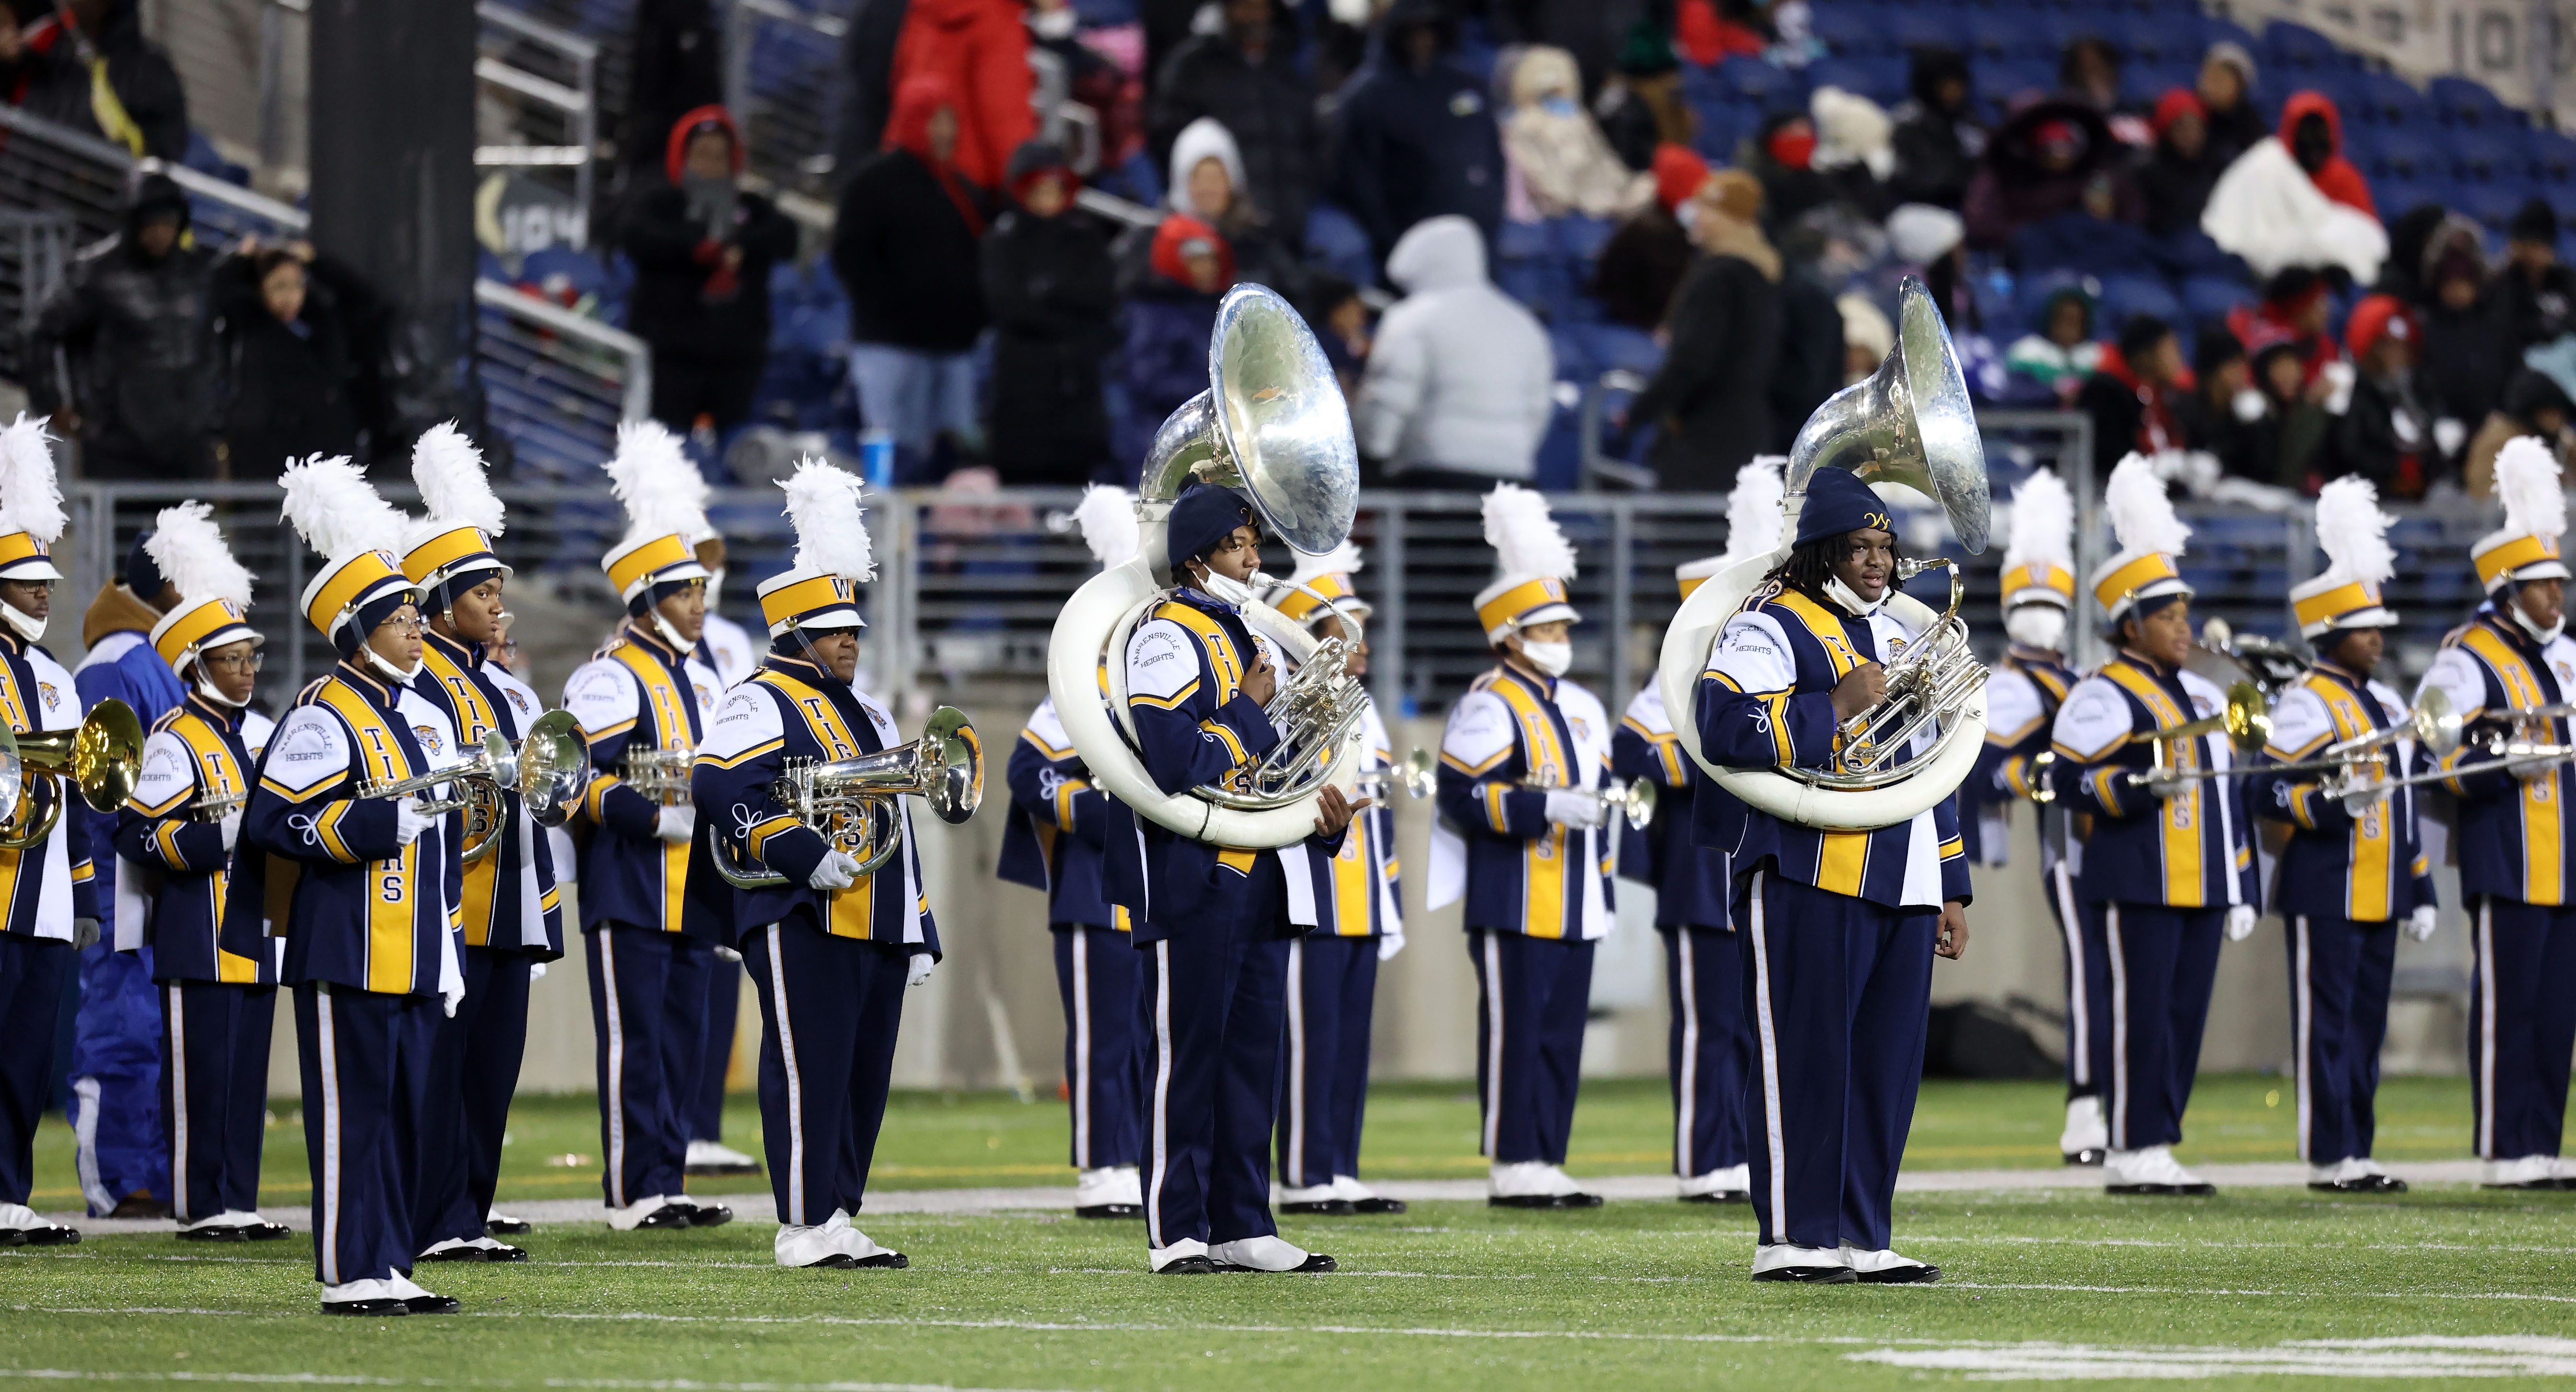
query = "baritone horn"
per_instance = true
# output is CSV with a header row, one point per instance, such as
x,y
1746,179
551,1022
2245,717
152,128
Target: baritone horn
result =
x,y
101,759
851,802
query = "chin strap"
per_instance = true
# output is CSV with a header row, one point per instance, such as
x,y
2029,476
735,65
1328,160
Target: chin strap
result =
x,y
27,625
2538,634
671,635
207,689
1842,594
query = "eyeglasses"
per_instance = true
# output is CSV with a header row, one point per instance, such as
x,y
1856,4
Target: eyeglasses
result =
x,y
413,626
237,662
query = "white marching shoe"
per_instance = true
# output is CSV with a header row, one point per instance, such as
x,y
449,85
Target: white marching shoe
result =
x,y
1814,1266
1885,1267
1269,1254
717,1158
651,1211
2528,1172
832,1243
1112,1191
2151,1170
2087,1138
1732,1184
1362,1198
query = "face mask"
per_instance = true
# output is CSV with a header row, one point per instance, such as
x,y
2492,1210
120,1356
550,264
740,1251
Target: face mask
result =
x,y
2248,405
1551,658
1557,104
27,625
2538,634
208,690
669,634
2037,625
1793,149
1845,596
386,669
1222,586
1687,213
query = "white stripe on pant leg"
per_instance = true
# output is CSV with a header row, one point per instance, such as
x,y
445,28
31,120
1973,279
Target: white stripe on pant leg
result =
x,y
615,1096
1297,1063
2119,1028
2486,965
1162,1091
179,1106
327,1045
2304,1023
1686,1114
1081,1046
1774,1136
795,1085
1493,1043
2079,1012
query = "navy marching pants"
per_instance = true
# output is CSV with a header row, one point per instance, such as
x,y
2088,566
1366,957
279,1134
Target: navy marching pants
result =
x,y
2522,1023
365,1062
705,1119
2161,963
473,1072
31,1004
2339,976
648,999
2088,983
1215,998
1532,995
1099,974
1332,987
214,1091
1708,1048
1837,991
831,1007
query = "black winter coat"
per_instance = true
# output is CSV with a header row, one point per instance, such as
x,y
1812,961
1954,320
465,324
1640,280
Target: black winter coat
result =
x,y
2387,428
2536,313
670,308
289,383
1810,364
1417,145
1049,284
2175,190
140,72
1935,158
867,64
906,258
1712,397
139,338
1265,106
2468,354
1641,267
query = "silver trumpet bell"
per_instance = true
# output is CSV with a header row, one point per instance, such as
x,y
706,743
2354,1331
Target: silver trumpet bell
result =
x,y
851,802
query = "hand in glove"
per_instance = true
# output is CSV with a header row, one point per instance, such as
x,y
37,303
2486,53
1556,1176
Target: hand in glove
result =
x,y
410,822
837,870
2363,796
1389,945
728,954
676,823
84,934
231,827
2421,923
1574,809
2240,923
919,971
2166,786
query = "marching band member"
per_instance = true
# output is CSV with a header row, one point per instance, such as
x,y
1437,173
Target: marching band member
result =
x,y
2354,869
1708,1045
1213,921
2169,864
1053,842
648,691
512,921
2515,843
371,948
2023,694
50,907
1837,929
729,651
181,885
1332,971
831,948
1522,763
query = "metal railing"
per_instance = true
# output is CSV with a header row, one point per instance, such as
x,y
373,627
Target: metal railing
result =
x,y
554,382
782,69
550,75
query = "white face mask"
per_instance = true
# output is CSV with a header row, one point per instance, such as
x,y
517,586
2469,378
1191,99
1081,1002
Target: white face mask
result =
x,y
671,635
212,693
387,669
2037,625
27,625
2538,634
1551,658
1220,585
1850,599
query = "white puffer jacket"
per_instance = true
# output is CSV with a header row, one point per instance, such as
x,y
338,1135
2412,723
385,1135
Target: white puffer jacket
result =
x,y
1460,376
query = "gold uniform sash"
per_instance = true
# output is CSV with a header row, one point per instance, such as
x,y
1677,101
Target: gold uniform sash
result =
x,y
394,882
853,910
2185,886
2543,877
218,773
670,705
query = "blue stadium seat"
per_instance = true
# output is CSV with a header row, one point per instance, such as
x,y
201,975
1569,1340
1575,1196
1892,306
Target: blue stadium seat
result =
x,y
1578,237
1851,29
2493,205
1335,241
2457,101
2300,49
1751,79
2491,154
2124,297
2553,157
2387,100
2209,298
2000,37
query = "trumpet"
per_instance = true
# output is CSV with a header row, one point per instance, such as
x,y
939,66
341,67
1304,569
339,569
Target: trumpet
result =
x,y
214,807
101,758
659,774
2246,721
548,770
851,802
1634,801
2506,753
1417,778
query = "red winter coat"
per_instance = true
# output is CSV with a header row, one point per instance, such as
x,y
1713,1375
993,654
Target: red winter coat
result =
x,y
982,48
2338,180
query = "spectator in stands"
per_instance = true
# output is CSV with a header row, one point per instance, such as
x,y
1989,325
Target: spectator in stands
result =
x,y
2532,405
2290,435
2294,200
135,97
1711,399
1168,318
1643,262
2294,310
1855,151
2403,273
136,322
1808,366
1091,79
44,85
1245,76
2386,433
1938,139
1341,319
904,247
2039,165
1460,376
2061,356
1054,299
1559,160
285,341
2467,347
1640,107
1782,154
867,74
702,250
2226,91
1932,242
2087,239
2537,290
2174,183
677,67
1206,182
982,48
2088,73
1868,336
2226,411
2136,395
1417,137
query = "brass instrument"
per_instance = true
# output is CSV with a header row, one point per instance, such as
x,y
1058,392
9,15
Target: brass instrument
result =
x,y
2505,750
2042,791
1927,682
548,770
659,774
2246,721
2224,655
851,802
1634,801
1418,778
214,807
101,758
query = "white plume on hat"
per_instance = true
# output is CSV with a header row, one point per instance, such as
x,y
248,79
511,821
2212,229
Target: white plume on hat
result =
x,y
1526,540
1343,559
2043,522
662,491
1754,523
2535,501
831,528
335,509
449,469
2353,532
1107,517
190,550
30,500
2142,516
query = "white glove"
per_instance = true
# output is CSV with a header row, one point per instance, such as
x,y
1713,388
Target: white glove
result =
x,y
838,870
2421,923
409,822
919,971
1575,809
676,823
2534,770
2240,923
1389,945
536,972
2167,788
449,1000
230,825
728,954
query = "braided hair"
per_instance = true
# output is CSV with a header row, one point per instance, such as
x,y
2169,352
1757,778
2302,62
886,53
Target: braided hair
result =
x,y
1811,565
